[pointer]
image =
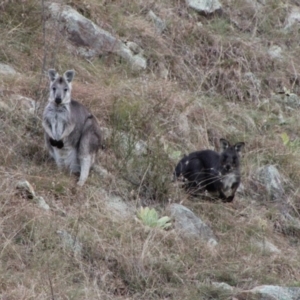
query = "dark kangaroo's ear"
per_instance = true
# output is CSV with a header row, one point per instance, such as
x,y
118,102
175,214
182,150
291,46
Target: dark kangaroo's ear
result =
x,y
224,144
239,146
52,74
69,75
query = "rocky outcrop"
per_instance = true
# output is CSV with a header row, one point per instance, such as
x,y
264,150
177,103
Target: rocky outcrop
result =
x,y
189,225
90,39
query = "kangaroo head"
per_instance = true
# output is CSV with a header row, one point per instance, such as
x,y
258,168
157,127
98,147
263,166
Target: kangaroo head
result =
x,y
60,86
229,158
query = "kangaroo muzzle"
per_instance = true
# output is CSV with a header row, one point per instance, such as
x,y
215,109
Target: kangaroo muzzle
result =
x,y
58,100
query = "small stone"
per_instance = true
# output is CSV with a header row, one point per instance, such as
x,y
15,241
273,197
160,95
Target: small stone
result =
x,y
205,6
7,70
158,22
25,186
69,242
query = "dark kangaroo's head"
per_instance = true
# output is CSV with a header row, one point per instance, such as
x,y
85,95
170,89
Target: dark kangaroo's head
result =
x,y
229,157
60,86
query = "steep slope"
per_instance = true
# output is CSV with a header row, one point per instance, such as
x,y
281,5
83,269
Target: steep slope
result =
x,y
231,74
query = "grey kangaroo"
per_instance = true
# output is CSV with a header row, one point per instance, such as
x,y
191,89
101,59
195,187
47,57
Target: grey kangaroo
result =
x,y
208,170
72,133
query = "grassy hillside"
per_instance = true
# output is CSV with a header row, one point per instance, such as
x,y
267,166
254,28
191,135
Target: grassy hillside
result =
x,y
207,77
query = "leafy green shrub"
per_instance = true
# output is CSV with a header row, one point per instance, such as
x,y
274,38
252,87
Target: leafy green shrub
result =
x,y
150,218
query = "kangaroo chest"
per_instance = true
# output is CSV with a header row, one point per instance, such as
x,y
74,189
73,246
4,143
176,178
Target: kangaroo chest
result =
x,y
58,117
228,181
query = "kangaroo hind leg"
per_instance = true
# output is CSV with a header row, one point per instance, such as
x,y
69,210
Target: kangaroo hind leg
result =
x,y
85,165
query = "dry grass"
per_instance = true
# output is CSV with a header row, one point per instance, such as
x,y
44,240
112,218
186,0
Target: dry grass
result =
x,y
212,90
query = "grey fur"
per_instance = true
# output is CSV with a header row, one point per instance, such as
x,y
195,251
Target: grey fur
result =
x,y
72,133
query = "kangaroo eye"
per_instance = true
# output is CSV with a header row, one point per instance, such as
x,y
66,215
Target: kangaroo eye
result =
x,y
54,89
65,90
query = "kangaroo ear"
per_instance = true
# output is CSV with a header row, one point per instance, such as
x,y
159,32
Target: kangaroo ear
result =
x,y
224,144
239,146
69,75
52,74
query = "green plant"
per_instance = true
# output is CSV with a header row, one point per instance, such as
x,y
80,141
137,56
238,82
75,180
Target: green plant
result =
x,y
292,145
150,218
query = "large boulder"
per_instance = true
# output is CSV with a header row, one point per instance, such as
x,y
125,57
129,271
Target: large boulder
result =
x,y
189,225
90,39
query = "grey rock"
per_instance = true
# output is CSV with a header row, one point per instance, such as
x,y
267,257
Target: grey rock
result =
x,y
254,84
41,202
292,18
7,70
287,224
288,99
25,188
69,242
265,246
223,285
189,225
86,35
26,104
272,181
158,22
205,6
119,207
275,52
4,106
100,171
163,71
270,292
127,143
15,101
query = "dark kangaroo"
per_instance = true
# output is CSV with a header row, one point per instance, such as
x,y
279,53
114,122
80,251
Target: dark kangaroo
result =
x,y
218,173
